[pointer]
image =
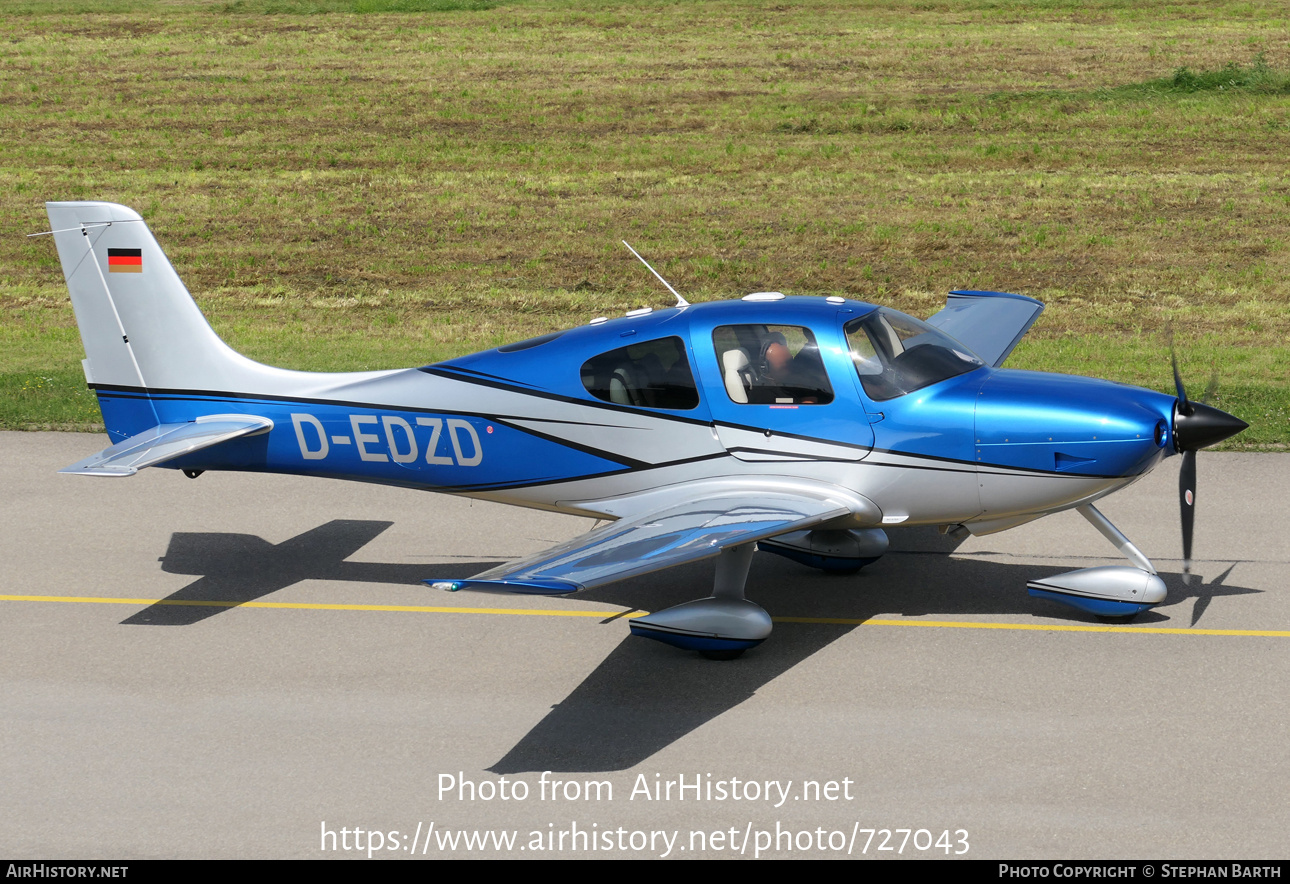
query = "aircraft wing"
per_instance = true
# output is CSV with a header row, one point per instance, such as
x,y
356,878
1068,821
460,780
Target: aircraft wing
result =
x,y
990,323
670,536
167,441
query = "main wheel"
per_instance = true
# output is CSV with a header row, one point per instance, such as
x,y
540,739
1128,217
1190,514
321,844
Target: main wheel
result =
x,y
723,654
1118,618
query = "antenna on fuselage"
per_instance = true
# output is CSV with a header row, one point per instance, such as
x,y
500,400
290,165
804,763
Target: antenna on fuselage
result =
x,y
680,302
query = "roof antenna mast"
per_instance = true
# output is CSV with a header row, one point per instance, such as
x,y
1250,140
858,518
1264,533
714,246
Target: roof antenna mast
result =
x,y
680,302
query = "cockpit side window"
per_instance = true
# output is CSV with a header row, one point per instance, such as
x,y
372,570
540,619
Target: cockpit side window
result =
x,y
771,365
650,374
895,354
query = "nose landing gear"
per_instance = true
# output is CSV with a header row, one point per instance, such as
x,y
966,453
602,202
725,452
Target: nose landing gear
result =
x,y
1115,593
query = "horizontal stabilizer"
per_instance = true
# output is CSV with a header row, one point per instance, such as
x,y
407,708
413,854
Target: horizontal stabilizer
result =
x,y
677,534
168,441
990,323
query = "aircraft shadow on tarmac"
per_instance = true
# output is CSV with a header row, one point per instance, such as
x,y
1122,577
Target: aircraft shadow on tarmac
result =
x,y
238,568
644,695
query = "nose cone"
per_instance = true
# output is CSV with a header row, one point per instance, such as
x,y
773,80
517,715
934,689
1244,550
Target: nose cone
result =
x,y
1204,426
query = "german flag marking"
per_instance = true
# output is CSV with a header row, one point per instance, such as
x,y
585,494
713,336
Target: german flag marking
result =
x,y
125,260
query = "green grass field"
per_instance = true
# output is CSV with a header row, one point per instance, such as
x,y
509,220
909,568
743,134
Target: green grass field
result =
x,y
349,184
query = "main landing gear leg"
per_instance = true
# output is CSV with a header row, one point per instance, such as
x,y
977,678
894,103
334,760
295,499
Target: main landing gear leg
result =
x,y
1115,593
720,627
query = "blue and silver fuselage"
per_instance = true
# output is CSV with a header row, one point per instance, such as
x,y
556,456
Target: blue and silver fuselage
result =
x,y
632,405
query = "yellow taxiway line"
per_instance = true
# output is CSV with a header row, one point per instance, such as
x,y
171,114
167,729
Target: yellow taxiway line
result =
x,y
611,615
1039,627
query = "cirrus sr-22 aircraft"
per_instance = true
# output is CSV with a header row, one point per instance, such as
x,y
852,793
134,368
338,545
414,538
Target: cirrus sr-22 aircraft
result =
x,y
800,425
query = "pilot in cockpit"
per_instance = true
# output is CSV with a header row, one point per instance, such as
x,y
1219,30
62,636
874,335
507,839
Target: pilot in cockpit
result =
x,y
784,378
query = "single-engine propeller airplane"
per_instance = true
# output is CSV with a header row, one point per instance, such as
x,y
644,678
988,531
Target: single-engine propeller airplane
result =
x,y
803,425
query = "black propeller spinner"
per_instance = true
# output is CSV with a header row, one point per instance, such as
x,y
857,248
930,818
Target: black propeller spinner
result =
x,y
1196,426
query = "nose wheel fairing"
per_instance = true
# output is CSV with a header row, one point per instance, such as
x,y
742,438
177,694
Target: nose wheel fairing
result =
x,y
1112,591
1108,592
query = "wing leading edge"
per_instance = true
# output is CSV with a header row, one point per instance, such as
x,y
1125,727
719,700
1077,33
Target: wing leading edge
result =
x,y
670,536
990,323
167,441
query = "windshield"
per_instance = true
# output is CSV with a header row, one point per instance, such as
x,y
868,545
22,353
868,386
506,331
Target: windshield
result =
x,y
895,354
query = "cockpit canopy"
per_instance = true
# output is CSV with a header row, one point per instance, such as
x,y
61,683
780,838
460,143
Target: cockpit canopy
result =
x,y
895,354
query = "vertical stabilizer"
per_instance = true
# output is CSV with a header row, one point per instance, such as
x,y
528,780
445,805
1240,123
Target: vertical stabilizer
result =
x,y
139,325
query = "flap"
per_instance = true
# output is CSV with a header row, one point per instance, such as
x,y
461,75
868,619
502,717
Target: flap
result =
x,y
675,535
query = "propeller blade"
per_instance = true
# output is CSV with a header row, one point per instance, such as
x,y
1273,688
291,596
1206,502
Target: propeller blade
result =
x,y
1187,504
1196,426
1184,406
1211,387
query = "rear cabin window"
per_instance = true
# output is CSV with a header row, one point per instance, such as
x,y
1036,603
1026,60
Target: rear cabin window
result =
x,y
771,365
651,374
